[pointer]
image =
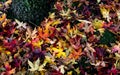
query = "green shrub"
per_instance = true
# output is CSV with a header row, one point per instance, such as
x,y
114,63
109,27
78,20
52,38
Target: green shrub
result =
x,y
32,11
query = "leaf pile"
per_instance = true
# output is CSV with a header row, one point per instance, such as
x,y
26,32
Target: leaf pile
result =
x,y
78,38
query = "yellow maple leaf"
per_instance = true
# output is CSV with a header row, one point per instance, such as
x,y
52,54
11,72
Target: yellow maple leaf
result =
x,y
37,43
49,60
97,23
5,22
59,52
101,30
69,73
52,15
77,70
105,12
47,26
57,49
56,22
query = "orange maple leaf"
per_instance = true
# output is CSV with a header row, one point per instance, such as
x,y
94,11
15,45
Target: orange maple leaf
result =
x,y
42,34
3,17
75,54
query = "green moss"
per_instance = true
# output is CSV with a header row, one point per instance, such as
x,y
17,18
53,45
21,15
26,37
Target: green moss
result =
x,y
33,11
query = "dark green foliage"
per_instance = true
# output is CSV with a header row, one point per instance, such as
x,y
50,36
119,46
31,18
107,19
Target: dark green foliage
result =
x,y
108,38
32,11
2,0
